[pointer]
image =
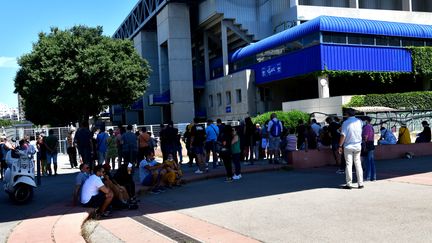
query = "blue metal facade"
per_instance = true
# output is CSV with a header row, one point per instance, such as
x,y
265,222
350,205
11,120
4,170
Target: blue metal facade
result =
x,y
365,58
335,24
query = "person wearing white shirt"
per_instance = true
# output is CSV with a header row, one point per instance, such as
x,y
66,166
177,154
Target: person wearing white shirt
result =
x,y
350,141
95,194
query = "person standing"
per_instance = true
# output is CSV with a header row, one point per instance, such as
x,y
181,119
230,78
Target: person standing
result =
x,y
198,138
212,133
225,152
274,131
111,148
368,140
350,141
102,145
236,153
71,150
143,144
51,143
129,146
83,140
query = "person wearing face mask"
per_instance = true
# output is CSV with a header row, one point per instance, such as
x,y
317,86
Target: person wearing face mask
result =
x,y
173,172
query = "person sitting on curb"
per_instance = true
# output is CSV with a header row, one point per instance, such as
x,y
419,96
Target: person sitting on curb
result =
x,y
82,176
404,135
124,177
425,135
95,194
151,173
387,137
173,172
121,196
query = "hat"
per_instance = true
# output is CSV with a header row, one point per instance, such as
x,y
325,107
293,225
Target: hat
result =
x,y
130,165
425,123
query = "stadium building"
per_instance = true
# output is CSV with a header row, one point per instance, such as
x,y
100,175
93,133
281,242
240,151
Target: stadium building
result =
x,y
235,58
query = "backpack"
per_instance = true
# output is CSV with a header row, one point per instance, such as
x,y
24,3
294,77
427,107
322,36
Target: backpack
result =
x,y
276,129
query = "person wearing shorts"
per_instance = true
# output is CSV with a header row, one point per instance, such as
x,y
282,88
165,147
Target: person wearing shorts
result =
x,y
95,194
274,131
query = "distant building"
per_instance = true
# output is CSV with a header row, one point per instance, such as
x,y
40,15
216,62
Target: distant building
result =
x,y
8,113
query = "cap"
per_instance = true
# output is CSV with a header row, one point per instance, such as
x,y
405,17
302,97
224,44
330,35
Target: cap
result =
x,y
130,165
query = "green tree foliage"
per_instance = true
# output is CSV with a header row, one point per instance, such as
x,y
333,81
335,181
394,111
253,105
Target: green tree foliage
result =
x,y
290,118
5,123
409,100
75,73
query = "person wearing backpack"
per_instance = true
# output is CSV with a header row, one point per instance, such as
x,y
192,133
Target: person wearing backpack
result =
x,y
274,132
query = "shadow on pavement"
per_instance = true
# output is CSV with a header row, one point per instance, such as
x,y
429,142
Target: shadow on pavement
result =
x,y
58,189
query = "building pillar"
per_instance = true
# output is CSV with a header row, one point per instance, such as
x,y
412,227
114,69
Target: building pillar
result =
x,y
294,3
145,43
174,34
353,3
224,49
407,5
323,87
206,57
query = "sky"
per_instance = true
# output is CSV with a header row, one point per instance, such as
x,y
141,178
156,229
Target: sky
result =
x,y
22,20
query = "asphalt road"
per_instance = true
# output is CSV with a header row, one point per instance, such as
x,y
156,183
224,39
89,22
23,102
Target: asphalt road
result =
x,y
308,206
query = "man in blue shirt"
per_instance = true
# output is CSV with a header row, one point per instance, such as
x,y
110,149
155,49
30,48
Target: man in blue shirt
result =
x,y
212,133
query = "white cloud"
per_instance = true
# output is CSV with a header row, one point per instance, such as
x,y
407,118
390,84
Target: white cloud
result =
x,y
8,62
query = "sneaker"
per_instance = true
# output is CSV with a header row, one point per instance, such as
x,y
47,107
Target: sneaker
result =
x,y
199,171
237,177
360,187
229,179
346,187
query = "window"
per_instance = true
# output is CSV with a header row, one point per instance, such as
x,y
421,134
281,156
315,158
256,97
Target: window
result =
x,y
340,38
228,98
211,100
381,41
394,41
354,39
219,99
238,96
368,40
412,42
265,94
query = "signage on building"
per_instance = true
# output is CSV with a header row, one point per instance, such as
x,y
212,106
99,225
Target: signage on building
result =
x,y
271,70
228,109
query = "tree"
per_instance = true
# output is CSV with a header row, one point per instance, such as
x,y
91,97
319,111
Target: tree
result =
x,y
75,73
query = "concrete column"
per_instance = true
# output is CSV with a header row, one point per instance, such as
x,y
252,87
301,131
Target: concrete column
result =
x,y
294,3
224,49
407,5
145,43
173,26
323,87
206,57
353,4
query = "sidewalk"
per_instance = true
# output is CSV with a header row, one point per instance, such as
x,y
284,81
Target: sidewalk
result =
x,y
62,222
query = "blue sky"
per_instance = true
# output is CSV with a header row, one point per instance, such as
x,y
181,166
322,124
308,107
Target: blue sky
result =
x,y
22,20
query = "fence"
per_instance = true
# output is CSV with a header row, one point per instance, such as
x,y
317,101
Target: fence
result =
x,y
17,133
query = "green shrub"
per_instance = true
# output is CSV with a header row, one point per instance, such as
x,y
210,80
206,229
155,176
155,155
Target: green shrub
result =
x,y
410,100
289,118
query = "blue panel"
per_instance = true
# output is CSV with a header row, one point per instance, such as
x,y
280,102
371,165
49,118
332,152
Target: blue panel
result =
x,y
335,24
374,27
165,97
291,65
138,105
365,58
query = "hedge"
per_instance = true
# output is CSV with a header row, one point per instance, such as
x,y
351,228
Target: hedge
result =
x,y
410,100
290,118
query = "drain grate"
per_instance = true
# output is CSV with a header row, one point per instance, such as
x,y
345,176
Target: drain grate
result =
x,y
165,230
